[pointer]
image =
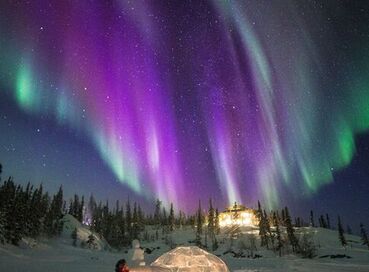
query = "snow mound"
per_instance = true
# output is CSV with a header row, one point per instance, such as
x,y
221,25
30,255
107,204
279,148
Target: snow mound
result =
x,y
71,223
192,258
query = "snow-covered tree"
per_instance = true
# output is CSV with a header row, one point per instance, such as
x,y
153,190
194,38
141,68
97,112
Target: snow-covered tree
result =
x,y
307,247
279,243
291,232
216,222
53,223
263,229
91,242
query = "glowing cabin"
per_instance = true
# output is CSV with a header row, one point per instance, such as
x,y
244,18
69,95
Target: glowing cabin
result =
x,y
238,215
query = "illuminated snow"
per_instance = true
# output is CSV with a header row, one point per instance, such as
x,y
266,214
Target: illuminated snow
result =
x,y
183,259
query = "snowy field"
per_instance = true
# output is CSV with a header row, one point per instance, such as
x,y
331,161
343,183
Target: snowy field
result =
x,y
59,255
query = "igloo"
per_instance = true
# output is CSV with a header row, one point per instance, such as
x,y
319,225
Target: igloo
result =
x,y
149,269
185,259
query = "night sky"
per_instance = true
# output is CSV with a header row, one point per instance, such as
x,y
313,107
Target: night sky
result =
x,y
186,100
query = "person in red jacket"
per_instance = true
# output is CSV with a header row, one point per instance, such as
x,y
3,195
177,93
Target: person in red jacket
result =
x,y
121,266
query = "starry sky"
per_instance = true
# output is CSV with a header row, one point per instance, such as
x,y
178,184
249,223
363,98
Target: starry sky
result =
x,y
181,100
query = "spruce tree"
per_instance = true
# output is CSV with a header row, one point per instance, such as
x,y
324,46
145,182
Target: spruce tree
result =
x,y
171,218
307,248
322,222
283,219
200,221
297,222
129,221
328,221
262,227
341,235
215,244
206,239
44,207
20,210
106,223
26,203
364,236
269,235
217,223
164,221
14,214
279,244
74,207
211,223
7,204
157,213
291,232
91,241
64,209
312,223
135,229
2,226
70,207
59,211
180,219
38,211
122,227
91,208
81,209
114,229
98,219
7,201
53,219
141,218
199,224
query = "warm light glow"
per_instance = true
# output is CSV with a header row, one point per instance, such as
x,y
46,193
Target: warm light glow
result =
x,y
238,215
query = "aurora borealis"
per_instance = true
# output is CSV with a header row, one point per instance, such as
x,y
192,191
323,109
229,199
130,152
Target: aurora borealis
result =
x,y
235,100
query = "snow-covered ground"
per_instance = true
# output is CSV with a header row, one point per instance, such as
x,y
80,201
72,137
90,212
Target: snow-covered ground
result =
x,y
59,255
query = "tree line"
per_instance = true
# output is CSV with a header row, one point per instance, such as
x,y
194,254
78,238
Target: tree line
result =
x,y
29,211
303,245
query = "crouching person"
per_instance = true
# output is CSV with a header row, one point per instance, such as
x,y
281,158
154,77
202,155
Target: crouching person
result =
x,y
121,266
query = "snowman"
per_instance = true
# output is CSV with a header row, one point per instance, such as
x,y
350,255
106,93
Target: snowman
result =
x,y
138,258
